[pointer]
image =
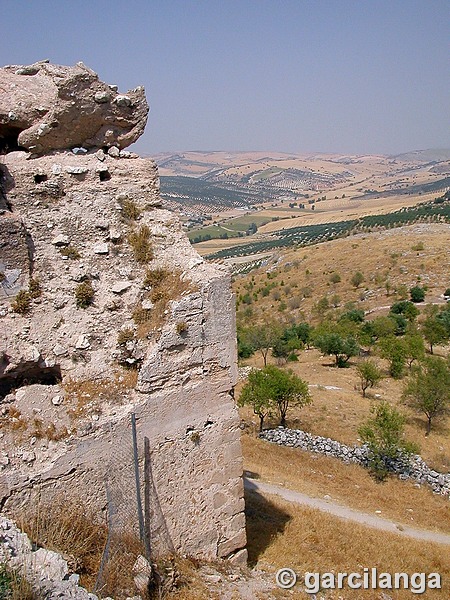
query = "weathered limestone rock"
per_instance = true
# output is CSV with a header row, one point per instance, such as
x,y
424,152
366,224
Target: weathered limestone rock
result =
x,y
65,222
45,107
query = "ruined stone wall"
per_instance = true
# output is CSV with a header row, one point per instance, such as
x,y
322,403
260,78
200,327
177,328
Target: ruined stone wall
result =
x,y
70,377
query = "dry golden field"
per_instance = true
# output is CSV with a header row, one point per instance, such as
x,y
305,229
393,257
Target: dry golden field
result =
x,y
416,254
281,534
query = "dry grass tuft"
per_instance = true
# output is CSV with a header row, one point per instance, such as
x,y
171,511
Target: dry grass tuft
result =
x,y
70,251
165,286
50,432
86,396
155,277
141,245
64,524
34,288
124,336
84,294
21,303
130,210
13,420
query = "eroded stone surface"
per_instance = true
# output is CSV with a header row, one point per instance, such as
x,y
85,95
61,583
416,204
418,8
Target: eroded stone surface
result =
x,y
45,107
61,214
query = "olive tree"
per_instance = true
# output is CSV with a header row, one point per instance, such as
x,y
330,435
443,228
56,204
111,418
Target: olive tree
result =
x,y
383,434
428,390
369,375
273,389
341,347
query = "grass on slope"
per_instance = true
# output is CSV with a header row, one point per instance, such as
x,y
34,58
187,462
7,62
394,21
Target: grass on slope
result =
x,y
283,535
350,485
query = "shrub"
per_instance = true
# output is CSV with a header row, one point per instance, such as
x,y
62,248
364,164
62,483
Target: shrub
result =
x,y
84,294
417,294
71,252
124,336
383,434
155,277
140,242
2,276
13,585
357,279
335,278
402,291
418,247
181,327
195,437
21,303
34,288
130,210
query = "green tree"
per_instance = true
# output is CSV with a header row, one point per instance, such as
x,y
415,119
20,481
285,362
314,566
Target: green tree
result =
x,y
357,279
304,332
354,315
334,344
379,328
257,394
245,350
428,390
288,390
383,434
417,294
414,347
271,389
443,317
369,375
405,308
262,337
287,345
434,331
393,349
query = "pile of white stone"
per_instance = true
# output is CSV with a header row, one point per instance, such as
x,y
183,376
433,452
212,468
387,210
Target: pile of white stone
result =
x,y
45,571
412,467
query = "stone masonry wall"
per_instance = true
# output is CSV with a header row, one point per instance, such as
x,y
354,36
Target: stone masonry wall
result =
x,y
185,373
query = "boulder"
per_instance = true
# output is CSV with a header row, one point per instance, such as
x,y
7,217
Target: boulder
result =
x,y
46,107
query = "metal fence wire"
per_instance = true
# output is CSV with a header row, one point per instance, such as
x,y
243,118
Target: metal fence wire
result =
x,y
135,520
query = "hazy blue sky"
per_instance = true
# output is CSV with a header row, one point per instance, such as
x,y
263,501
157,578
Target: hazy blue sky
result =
x,y
349,76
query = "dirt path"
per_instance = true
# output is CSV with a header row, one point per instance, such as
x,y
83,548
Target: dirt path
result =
x,y
344,512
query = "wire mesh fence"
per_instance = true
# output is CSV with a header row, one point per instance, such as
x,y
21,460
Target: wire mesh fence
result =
x,y
135,520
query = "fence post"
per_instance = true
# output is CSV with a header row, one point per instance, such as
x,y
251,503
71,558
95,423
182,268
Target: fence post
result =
x,y
137,479
147,487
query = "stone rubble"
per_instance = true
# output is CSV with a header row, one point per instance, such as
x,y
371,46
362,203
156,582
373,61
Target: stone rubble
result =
x,y
46,571
414,468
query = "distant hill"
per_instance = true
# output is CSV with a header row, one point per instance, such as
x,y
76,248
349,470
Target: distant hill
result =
x,y
425,156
